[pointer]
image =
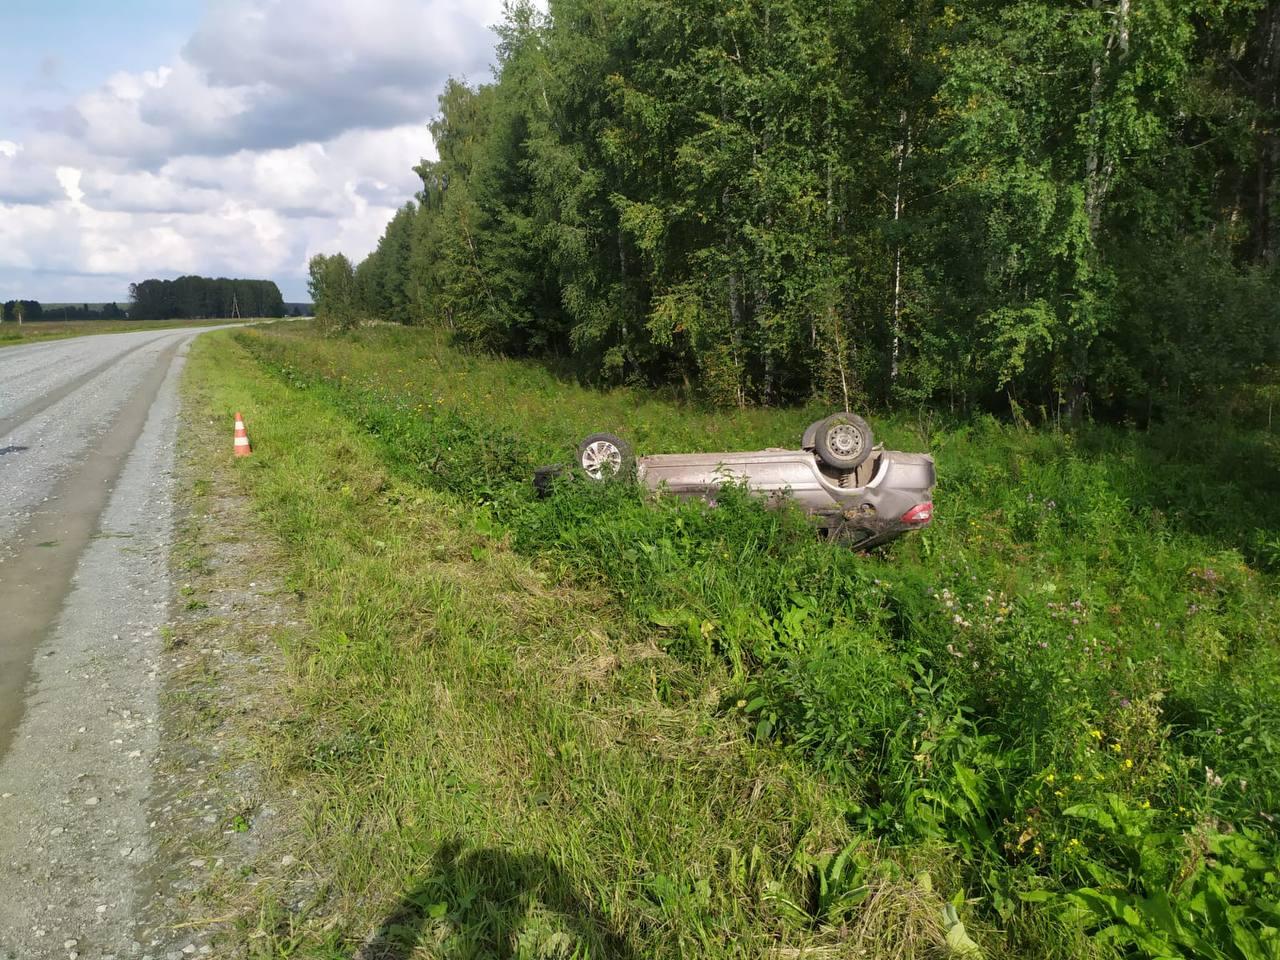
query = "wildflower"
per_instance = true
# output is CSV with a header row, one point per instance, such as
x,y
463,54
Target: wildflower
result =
x,y
1039,849
1059,793
1049,779
1211,779
1115,748
1077,778
1074,843
1096,734
1128,764
1146,804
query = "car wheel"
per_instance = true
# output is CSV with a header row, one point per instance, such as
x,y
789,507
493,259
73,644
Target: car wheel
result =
x,y
603,456
843,441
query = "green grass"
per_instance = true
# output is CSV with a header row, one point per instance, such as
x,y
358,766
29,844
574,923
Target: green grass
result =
x,y
12,334
1059,703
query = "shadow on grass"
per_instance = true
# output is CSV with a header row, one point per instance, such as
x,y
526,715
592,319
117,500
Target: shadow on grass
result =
x,y
494,903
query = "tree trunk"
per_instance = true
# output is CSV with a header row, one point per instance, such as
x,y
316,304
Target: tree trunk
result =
x,y
735,334
622,306
1099,170
1266,94
903,148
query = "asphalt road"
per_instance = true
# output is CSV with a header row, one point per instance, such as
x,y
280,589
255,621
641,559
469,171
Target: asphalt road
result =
x,y
87,437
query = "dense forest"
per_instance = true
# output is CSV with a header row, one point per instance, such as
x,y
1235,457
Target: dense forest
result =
x,y
1069,207
200,298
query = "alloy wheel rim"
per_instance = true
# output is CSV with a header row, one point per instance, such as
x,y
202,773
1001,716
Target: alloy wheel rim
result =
x,y
599,456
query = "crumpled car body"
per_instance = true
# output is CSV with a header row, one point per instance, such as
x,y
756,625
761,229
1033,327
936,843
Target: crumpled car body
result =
x,y
858,493
863,507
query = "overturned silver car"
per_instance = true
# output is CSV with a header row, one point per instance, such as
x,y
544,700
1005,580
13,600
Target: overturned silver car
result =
x,y
859,493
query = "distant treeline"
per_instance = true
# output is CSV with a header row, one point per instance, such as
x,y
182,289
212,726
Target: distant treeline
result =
x,y
202,298
83,311
962,203
30,310
23,310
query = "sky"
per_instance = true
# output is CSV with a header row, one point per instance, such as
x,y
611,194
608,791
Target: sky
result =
x,y
155,138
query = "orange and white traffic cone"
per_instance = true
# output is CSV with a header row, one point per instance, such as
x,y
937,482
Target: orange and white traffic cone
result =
x,y
242,439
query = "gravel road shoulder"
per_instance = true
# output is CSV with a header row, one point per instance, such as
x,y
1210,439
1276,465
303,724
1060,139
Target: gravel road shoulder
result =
x,y
134,808
221,834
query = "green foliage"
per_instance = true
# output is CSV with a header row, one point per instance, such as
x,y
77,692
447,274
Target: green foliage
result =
x,y
1205,895
21,311
201,298
1068,681
1064,207
332,285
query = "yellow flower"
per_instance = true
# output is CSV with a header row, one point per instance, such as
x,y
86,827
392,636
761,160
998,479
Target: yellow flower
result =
x,y
1096,734
1049,778
1077,778
1146,804
1115,748
1128,764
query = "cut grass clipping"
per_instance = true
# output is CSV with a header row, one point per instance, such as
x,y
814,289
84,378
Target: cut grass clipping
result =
x,y
600,726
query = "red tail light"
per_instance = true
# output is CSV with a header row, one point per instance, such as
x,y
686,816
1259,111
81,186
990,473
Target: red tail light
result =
x,y
920,514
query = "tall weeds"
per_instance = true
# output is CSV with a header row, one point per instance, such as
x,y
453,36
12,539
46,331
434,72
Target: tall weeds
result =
x,y
1071,680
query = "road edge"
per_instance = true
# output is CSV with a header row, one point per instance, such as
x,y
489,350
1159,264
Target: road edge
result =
x,y
221,827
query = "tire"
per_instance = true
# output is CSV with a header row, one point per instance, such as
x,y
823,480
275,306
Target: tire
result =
x,y
843,441
603,456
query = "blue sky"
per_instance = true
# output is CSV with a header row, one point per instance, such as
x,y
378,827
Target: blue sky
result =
x,y
57,46
144,138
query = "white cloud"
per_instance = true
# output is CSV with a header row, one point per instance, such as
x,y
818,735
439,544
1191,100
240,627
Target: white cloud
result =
x,y
283,128
69,177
